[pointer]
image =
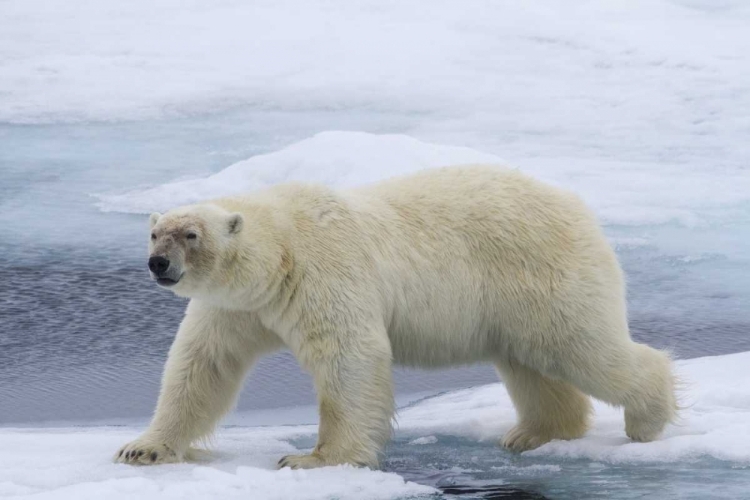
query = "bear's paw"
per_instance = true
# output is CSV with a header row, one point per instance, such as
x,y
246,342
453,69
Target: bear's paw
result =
x,y
310,461
524,438
146,452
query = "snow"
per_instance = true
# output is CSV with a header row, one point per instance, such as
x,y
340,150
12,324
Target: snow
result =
x,y
620,194
424,440
334,158
640,106
75,462
664,80
715,421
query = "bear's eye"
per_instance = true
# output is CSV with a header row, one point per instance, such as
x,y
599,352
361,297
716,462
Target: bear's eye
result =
x,y
153,236
191,236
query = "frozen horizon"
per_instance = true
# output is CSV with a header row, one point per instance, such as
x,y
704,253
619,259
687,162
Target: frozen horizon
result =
x,y
642,80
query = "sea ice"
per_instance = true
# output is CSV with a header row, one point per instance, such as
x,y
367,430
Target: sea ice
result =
x,y
75,462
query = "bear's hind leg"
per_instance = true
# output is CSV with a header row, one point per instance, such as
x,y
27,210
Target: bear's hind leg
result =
x,y
634,376
547,409
656,406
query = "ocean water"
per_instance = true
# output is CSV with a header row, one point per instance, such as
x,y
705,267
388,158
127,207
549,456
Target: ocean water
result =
x,y
481,471
461,467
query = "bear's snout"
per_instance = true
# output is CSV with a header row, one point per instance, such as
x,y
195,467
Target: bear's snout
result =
x,y
158,265
163,272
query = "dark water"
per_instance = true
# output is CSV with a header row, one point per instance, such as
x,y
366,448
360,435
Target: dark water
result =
x,y
467,469
482,471
86,337
83,343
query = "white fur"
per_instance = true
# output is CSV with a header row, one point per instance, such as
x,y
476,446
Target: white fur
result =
x,y
450,266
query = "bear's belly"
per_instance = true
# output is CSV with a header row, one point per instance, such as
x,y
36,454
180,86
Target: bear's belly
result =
x,y
431,341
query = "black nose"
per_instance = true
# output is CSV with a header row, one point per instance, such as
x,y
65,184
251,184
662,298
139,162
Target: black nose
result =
x,y
158,265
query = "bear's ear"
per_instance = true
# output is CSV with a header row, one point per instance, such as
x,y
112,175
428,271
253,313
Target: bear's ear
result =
x,y
235,223
154,218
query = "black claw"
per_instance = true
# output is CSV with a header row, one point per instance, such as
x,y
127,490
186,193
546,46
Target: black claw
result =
x,y
138,455
154,456
119,454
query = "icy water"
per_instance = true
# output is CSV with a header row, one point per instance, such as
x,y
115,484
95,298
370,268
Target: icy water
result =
x,y
483,471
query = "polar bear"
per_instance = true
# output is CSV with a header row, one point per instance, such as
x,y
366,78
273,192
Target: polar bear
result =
x,y
469,264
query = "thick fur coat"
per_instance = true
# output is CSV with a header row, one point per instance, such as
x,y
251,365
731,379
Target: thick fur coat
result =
x,y
450,266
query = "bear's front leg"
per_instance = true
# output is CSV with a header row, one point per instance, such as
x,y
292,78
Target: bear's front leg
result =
x,y
352,375
208,360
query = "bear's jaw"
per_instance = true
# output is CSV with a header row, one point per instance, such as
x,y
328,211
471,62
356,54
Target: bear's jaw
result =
x,y
165,282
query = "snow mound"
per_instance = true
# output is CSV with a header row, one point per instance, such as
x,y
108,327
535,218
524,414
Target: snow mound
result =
x,y
340,159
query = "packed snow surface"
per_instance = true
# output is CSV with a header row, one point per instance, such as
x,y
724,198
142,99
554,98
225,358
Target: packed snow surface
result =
x,y
653,80
76,462
473,61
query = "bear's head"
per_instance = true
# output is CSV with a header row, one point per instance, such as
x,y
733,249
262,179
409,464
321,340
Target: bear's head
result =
x,y
189,244
207,251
